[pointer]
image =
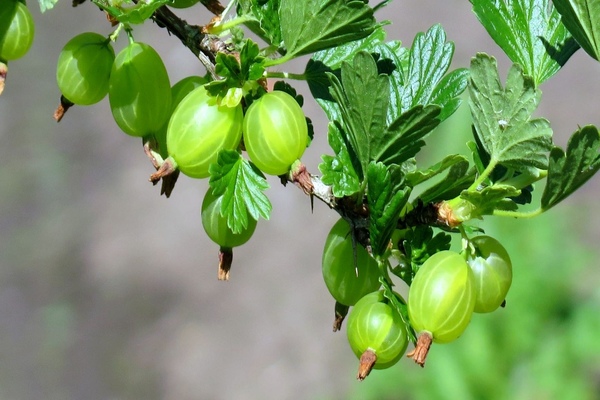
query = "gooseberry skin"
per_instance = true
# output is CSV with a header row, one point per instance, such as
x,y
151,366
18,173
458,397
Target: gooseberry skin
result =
x,y
215,225
83,68
139,90
441,297
275,132
178,92
340,270
17,30
492,270
375,325
199,128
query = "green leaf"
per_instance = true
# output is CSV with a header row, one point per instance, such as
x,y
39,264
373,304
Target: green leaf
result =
x,y
419,176
312,25
386,199
419,244
127,12
491,198
530,32
582,19
401,307
331,61
264,19
458,178
402,140
332,58
338,171
424,81
502,116
238,76
568,171
46,5
242,185
363,119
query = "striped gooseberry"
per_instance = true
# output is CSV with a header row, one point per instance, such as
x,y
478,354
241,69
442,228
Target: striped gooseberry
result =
x,y
492,270
17,30
376,333
83,68
275,132
198,129
441,300
347,278
139,90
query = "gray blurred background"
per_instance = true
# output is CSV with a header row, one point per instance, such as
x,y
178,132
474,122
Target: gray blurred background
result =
x,y
109,291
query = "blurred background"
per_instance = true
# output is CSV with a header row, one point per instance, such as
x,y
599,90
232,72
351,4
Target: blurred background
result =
x,y
109,291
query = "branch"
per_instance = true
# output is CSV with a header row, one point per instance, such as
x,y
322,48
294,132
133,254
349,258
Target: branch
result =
x,y
206,47
202,45
214,6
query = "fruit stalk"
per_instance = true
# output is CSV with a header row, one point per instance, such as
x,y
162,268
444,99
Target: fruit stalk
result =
x,y
64,106
419,353
3,72
367,362
341,311
225,261
168,167
300,176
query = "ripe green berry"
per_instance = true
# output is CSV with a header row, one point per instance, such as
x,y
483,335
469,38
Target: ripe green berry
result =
x,y
376,330
17,30
139,90
492,270
83,68
347,281
275,132
215,224
199,128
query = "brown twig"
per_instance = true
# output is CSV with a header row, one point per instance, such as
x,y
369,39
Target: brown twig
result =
x,y
3,73
225,261
202,45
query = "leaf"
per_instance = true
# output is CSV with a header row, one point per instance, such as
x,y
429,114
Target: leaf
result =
x,y
402,140
502,116
447,92
401,308
338,171
530,32
424,82
491,198
458,178
385,199
242,185
568,171
238,76
419,176
312,25
331,60
46,5
264,19
582,19
333,57
419,244
133,14
363,119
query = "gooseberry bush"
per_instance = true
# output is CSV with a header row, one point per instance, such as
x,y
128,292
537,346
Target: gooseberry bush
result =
x,y
243,120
